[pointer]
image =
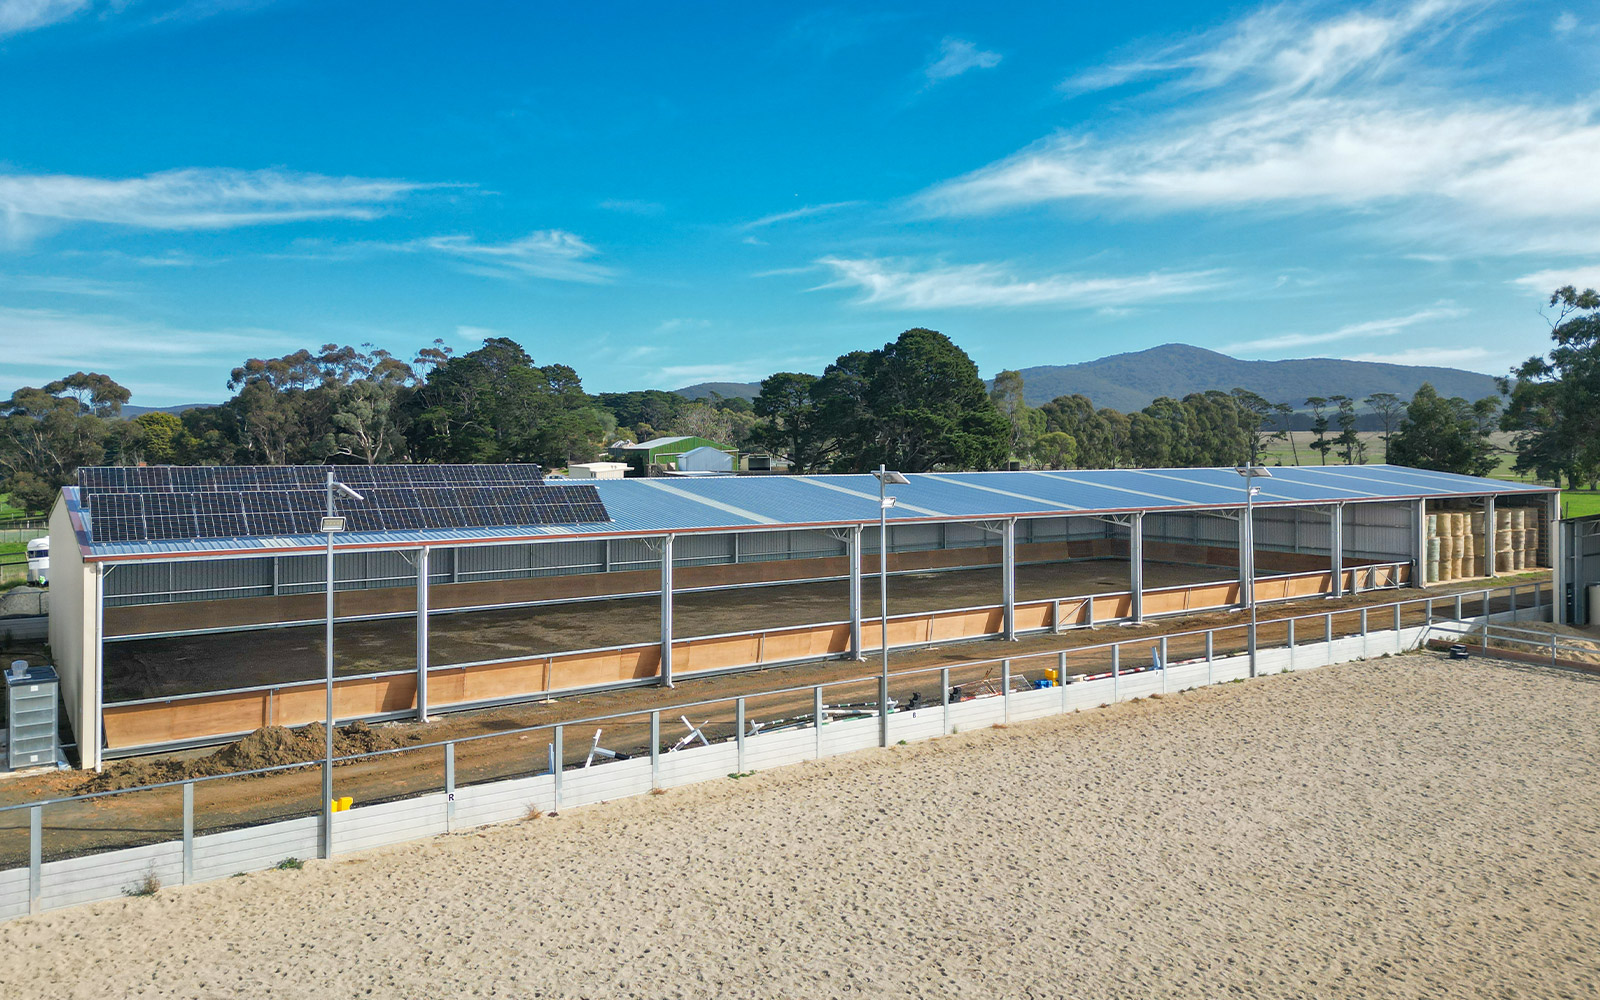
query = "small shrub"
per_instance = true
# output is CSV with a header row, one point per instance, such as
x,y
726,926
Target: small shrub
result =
x,y
149,885
658,791
1155,697
999,725
741,774
534,812
290,865
901,743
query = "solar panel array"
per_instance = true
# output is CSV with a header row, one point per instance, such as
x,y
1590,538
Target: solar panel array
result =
x,y
234,478
170,503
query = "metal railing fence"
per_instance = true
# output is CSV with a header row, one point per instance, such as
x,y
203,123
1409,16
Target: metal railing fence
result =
x,y
545,749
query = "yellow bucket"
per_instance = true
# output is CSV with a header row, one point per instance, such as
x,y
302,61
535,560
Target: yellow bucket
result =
x,y
344,803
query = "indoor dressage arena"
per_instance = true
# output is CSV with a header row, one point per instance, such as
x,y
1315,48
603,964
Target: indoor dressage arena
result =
x,y
188,604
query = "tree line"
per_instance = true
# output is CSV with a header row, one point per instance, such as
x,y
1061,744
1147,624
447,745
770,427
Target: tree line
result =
x,y
916,404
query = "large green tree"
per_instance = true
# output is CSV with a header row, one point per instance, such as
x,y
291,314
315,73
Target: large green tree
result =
x,y
790,421
1553,403
47,433
1446,435
915,405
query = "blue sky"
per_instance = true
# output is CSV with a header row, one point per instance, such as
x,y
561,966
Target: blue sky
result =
x,y
669,193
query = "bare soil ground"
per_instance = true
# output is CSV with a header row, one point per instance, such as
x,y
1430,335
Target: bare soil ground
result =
x,y
152,668
500,752
1410,827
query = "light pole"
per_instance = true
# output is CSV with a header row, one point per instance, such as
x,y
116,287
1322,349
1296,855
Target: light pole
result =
x,y
885,477
331,524
1251,472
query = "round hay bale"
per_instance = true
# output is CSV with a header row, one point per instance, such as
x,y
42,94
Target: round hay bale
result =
x,y
1433,550
1432,571
1520,560
1477,522
1478,565
1433,525
1447,549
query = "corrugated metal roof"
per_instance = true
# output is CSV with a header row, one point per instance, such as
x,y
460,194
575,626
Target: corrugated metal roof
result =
x,y
654,506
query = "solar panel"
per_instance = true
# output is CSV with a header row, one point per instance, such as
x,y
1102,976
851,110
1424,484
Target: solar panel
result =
x,y
167,503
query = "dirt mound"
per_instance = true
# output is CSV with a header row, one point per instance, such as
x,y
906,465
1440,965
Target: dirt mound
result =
x,y
270,746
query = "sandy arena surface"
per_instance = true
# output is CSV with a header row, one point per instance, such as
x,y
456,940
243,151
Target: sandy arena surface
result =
x,y
1405,827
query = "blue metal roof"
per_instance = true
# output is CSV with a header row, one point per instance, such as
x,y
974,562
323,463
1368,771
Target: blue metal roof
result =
x,y
658,506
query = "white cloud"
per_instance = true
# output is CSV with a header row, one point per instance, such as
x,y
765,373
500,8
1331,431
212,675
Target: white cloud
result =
x,y
1316,115
799,213
549,253
1545,282
1565,23
476,334
1283,51
193,198
903,285
1370,328
1472,358
957,56
41,344
17,16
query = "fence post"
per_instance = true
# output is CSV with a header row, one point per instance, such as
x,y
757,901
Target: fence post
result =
x,y
1055,616
559,765
1552,651
1005,689
1428,608
1538,602
327,811
816,713
1090,622
1116,670
1327,632
655,749
1163,664
1485,621
1210,651
188,832
1513,603
449,788
738,711
1363,625
944,698
35,854
1399,642
1458,607
1061,678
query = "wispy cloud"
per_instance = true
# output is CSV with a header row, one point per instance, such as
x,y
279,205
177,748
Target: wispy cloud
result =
x,y
1473,358
633,206
957,56
899,284
1317,115
193,198
798,213
1284,50
1370,328
1545,282
554,254
17,16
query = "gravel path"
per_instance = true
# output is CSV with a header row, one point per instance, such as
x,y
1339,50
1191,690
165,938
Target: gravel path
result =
x,y
1406,827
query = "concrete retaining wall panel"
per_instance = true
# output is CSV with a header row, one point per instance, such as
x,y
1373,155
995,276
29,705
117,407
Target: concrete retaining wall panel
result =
x,y
366,827
106,876
503,801
604,781
254,848
768,750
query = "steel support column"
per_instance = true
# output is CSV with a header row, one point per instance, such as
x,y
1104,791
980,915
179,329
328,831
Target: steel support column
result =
x,y
1488,537
1136,566
853,543
1336,549
1008,569
666,611
1419,543
422,635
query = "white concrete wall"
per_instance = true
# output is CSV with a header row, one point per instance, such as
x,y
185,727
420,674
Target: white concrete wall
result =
x,y
74,634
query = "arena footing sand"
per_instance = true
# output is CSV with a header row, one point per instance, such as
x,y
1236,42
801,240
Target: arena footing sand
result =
x,y
1406,827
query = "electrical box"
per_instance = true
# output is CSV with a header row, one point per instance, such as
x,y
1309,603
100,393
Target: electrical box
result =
x,y
32,697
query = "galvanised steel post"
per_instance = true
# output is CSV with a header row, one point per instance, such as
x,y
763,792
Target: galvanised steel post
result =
x,y
883,606
327,763
188,832
655,749
35,855
854,545
944,697
449,787
558,765
422,634
1008,588
739,724
666,611
1336,549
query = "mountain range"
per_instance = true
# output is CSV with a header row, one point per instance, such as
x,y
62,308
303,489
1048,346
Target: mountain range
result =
x,y
1129,382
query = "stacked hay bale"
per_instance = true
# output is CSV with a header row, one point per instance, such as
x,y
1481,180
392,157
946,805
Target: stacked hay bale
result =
x,y
1453,552
1481,560
1504,561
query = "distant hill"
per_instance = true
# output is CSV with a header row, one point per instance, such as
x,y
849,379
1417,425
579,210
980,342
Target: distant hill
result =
x,y
727,390
129,410
1129,382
